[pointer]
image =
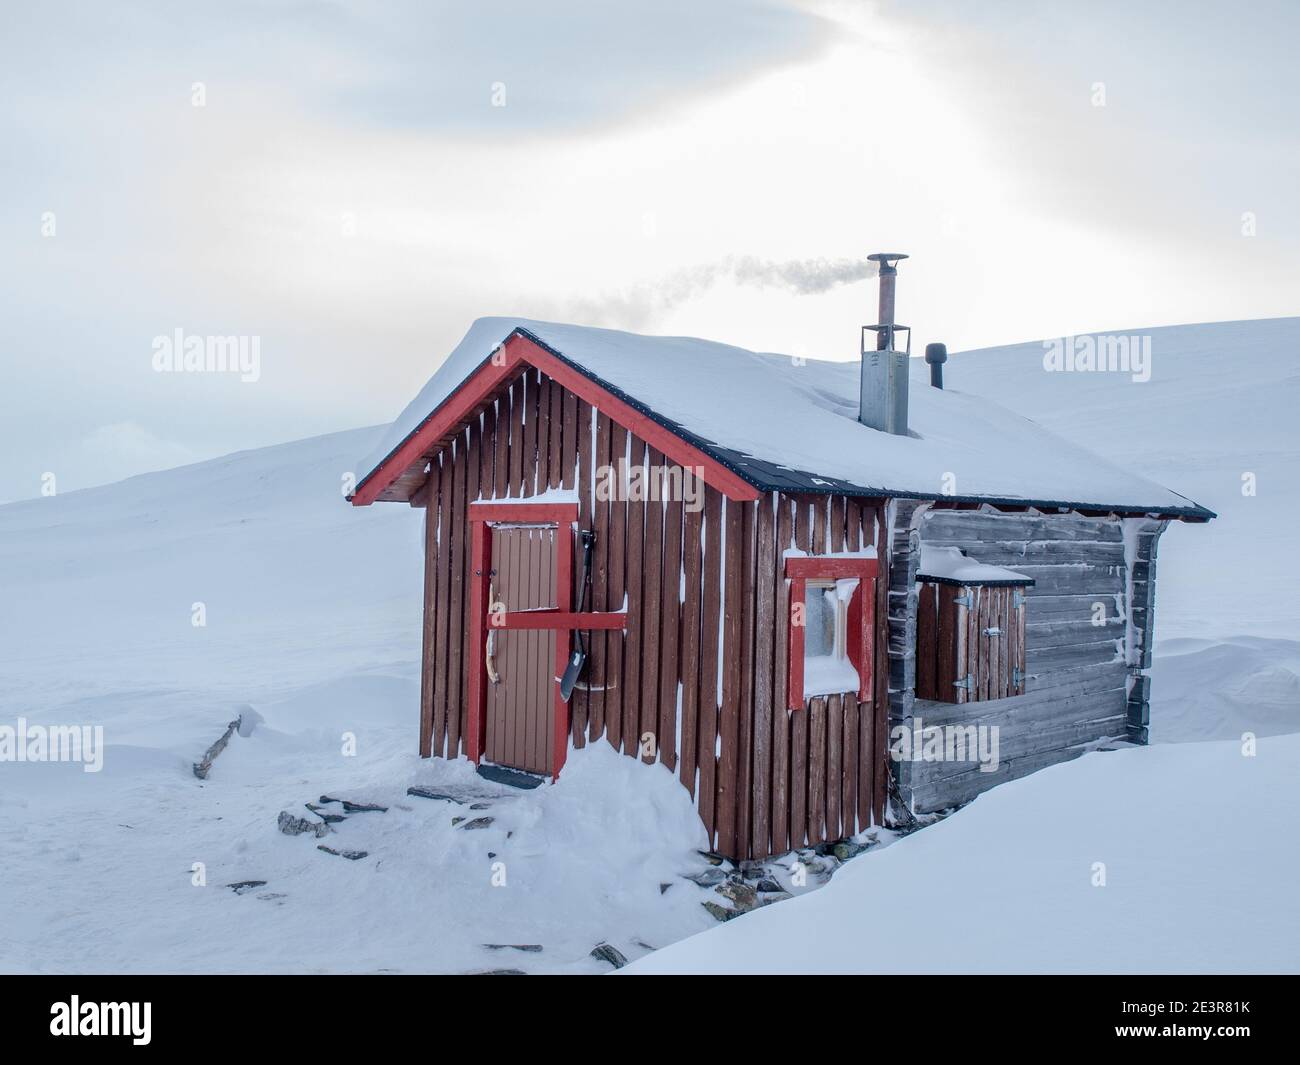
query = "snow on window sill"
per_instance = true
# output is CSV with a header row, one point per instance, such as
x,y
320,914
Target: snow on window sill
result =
x,y
829,675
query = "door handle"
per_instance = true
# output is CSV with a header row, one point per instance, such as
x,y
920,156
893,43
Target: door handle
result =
x,y
490,651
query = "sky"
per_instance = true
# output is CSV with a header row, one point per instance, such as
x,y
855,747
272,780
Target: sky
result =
x,y
349,185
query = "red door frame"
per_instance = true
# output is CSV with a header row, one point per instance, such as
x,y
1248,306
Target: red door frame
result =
x,y
564,516
860,638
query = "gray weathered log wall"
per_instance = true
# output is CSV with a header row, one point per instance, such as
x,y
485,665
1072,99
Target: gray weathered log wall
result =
x,y
1084,684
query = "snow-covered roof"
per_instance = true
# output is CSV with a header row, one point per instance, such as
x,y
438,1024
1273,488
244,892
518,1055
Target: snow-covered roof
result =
x,y
948,565
791,424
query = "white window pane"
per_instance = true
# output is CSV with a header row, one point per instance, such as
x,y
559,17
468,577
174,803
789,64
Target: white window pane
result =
x,y
820,617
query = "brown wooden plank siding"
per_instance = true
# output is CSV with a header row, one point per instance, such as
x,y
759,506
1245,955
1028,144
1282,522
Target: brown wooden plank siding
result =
x,y
762,824
617,570
634,554
689,669
670,608
651,724
703,665
710,618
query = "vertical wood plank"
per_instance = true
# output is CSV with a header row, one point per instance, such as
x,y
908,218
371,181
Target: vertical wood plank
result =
x,y
430,613
710,619
765,573
670,611
729,715
580,703
867,769
472,467
799,720
693,559
600,581
849,780
532,397
636,578
615,642
783,521
817,770
487,452
569,440
555,436
441,638
517,401
745,740
501,451
933,606
834,763
876,753
456,611
651,599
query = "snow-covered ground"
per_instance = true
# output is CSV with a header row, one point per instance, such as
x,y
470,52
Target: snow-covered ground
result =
x,y
1171,858
311,616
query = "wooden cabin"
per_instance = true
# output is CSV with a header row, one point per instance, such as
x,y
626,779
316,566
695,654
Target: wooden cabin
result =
x,y
758,616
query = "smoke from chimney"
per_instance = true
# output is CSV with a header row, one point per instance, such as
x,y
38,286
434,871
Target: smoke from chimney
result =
x,y
635,307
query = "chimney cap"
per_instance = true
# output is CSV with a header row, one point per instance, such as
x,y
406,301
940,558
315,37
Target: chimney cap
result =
x,y
886,261
936,353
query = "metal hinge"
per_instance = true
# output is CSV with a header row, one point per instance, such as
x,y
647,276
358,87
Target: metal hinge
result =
x,y
994,631
965,599
1017,599
968,682
1017,676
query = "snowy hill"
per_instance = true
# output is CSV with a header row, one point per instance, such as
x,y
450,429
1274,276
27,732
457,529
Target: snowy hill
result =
x,y
311,612
1221,402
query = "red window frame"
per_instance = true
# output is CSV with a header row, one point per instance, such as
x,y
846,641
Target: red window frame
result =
x,y
860,639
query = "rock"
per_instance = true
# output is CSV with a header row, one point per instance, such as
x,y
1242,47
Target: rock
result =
x,y
740,893
478,822
456,820
708,877
515,778
480,805
328,818
270,896
663,888
300,826
779,896
753,870
711,858
351,856
498,972
530,948
239,887
356,807
604,952
846,849
433,793
719,912
204,765
768,886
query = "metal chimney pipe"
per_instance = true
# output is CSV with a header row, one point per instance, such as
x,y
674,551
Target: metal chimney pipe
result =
x,y
936,355
883,391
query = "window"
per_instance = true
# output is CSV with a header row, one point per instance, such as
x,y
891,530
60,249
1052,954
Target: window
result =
x,y
970,628
830,635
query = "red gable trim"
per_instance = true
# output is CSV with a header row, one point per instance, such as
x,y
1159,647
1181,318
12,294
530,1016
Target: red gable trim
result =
x,y
502,367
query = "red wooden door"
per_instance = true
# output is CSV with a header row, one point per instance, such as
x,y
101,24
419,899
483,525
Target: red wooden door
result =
x,y
521,662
